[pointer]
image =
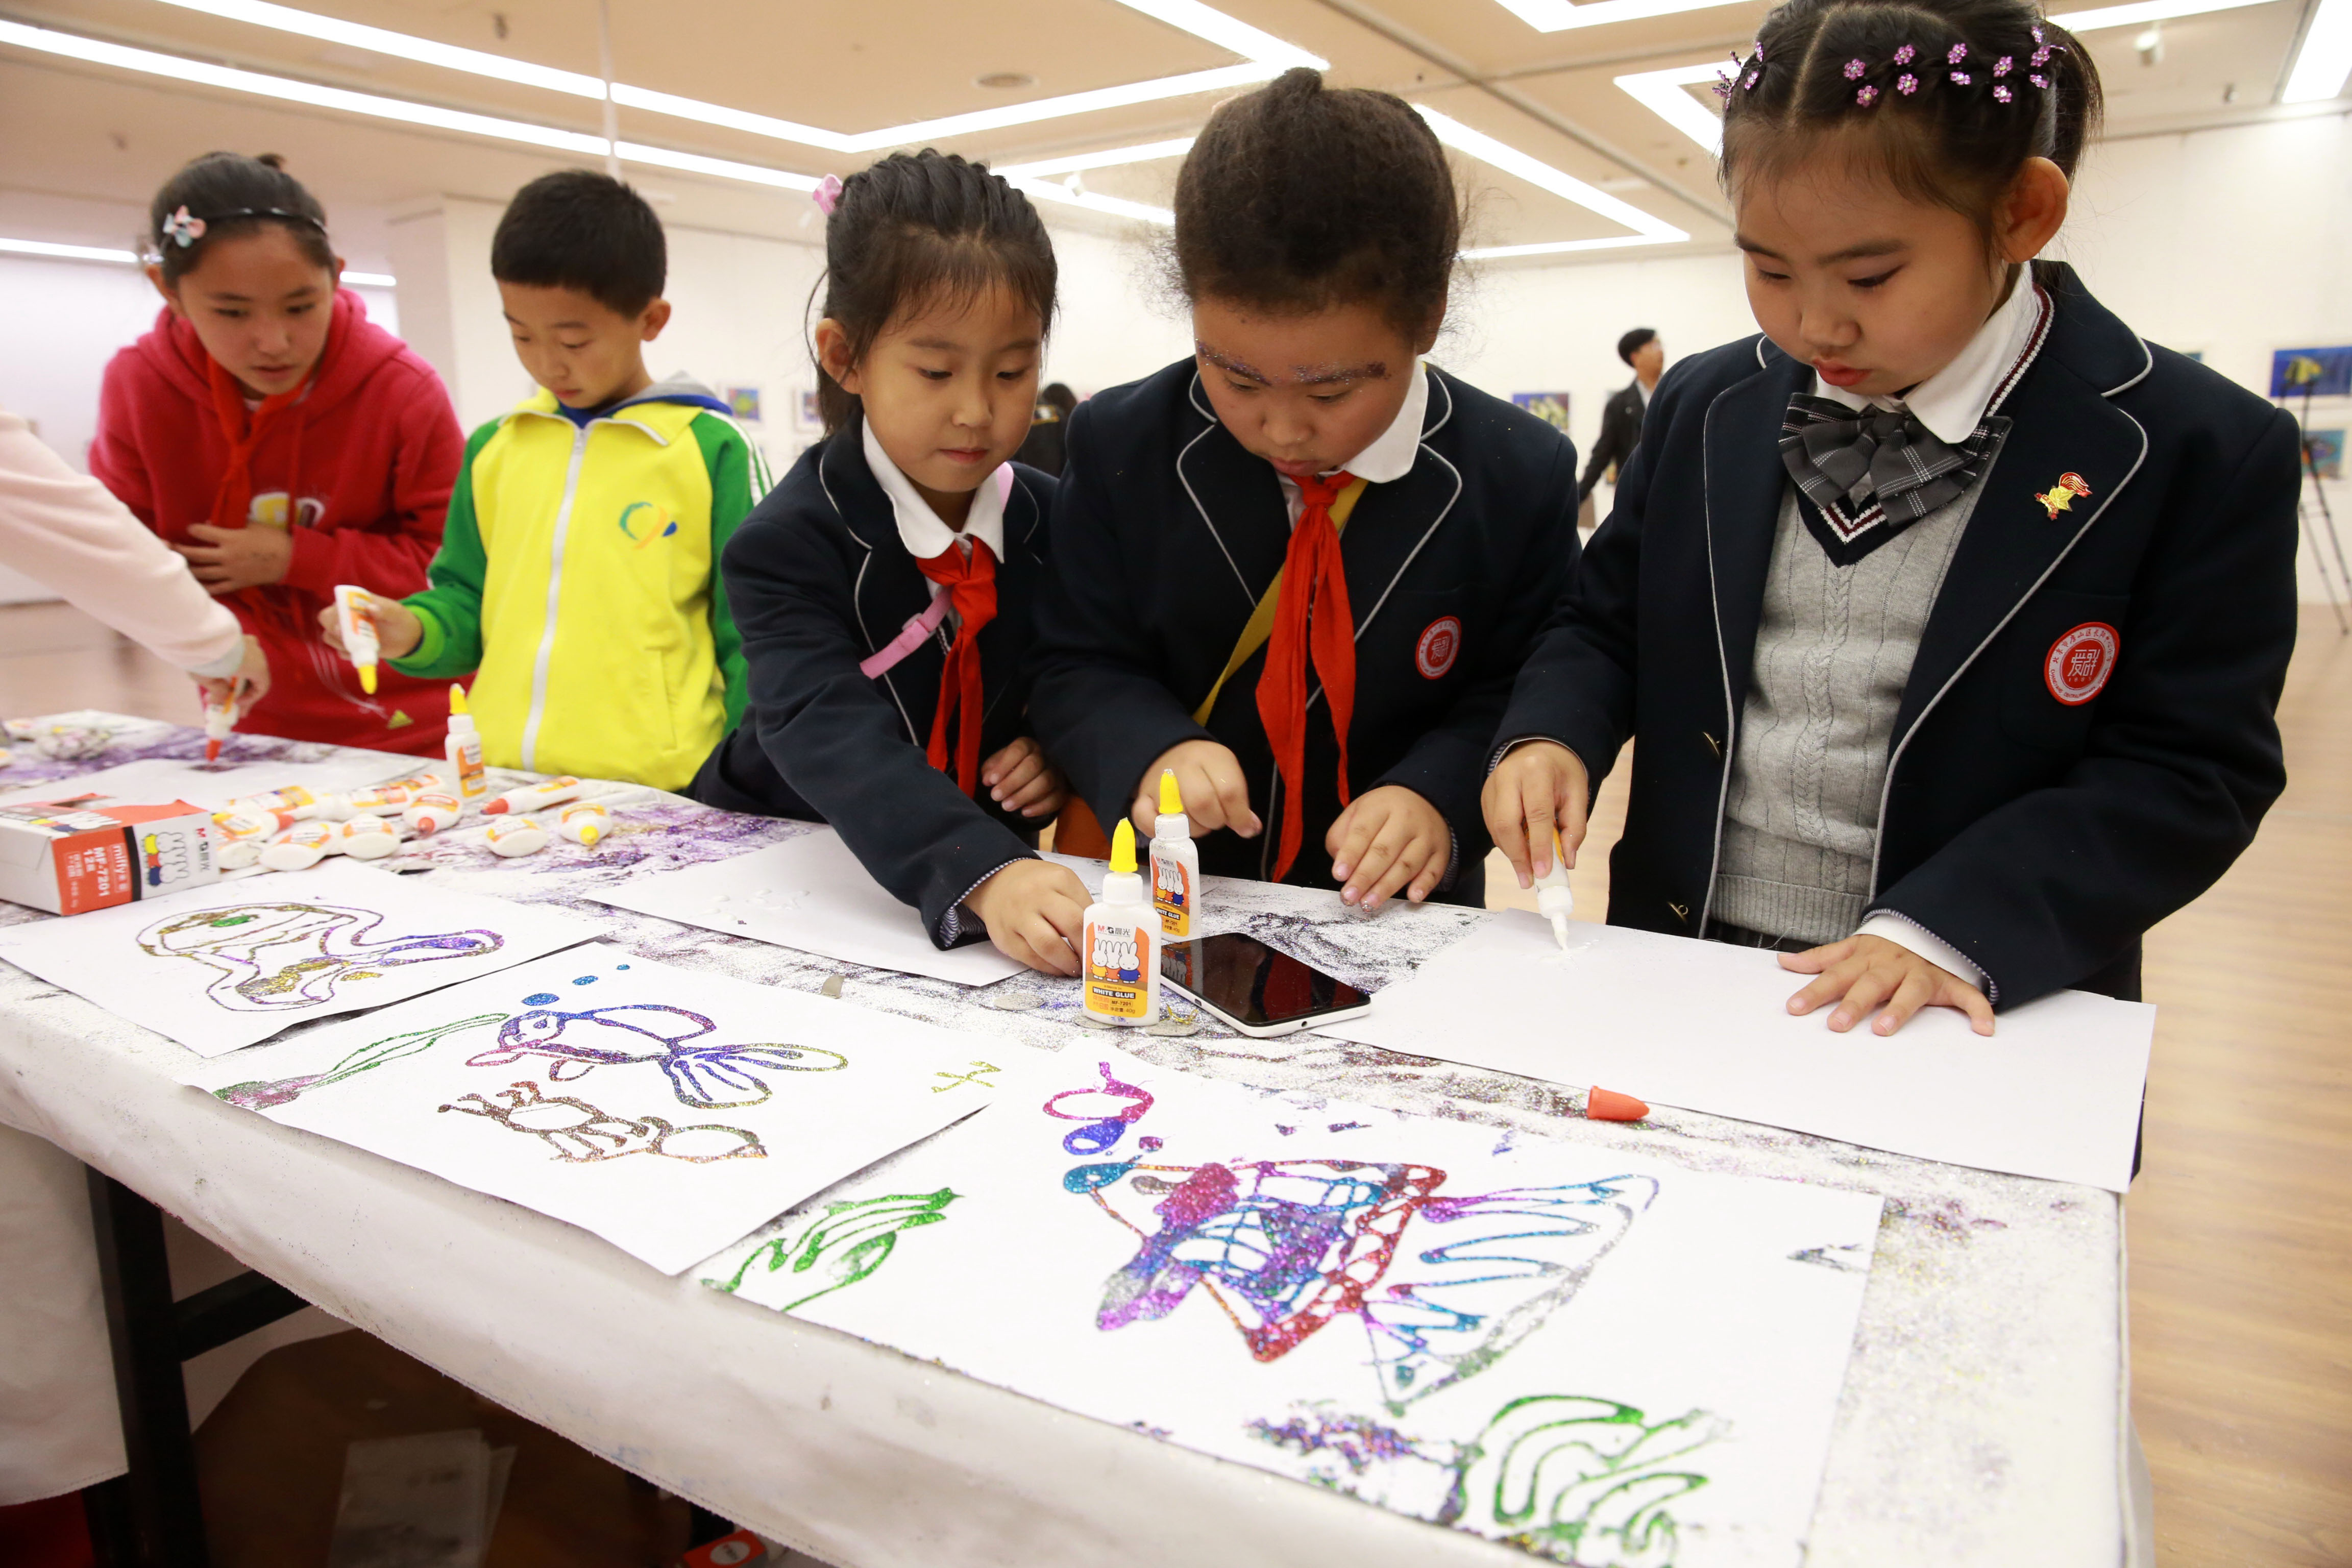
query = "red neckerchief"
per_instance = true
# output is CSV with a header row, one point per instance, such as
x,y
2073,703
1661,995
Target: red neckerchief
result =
x,y
245,431
970,581
1312,616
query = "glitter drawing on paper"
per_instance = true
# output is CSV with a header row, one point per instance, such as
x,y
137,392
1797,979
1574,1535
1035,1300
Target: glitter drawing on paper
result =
x,y
709,1077
580,1134
851,1239
294,955
1570,1477
260,1095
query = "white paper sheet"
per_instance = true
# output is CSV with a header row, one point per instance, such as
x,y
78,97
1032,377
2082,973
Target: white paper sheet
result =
x,y
219,967
2054,1092
809,893
666,1111
157,779
1615,1361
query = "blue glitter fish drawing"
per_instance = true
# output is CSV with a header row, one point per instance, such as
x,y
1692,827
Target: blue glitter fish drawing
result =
x,y
708,1076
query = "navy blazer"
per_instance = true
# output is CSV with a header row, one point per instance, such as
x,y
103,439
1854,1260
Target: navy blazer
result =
x,y
2039,837
1167,532
819,581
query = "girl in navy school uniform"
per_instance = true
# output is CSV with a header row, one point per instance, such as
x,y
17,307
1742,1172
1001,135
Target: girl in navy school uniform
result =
x,y
884,587
1300,569
1951,617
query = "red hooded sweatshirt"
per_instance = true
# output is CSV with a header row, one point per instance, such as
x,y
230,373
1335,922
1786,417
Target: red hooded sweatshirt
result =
x,y
368,450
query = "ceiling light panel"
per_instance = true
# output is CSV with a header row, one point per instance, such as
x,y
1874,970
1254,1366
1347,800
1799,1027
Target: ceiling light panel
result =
x,y
1558,15
2143,12
2325,58
47,251
285,90
1662,93
1264,57
1110,158
1647,230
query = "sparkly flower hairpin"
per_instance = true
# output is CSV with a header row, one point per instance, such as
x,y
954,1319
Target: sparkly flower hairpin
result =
x,y
1957,71
183,229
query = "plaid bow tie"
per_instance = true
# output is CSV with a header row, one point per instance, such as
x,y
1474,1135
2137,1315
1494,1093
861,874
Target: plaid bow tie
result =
x,y
1871,473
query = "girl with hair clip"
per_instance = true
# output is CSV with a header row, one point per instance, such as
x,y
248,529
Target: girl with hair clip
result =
x,y
884,587
281,443
1300,568
1951,617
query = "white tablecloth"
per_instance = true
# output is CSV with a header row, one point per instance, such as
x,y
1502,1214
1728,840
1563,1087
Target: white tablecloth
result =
x,y
1982,1421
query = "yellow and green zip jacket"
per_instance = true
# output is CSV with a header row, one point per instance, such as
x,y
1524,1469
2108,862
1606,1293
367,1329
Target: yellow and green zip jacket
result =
x,y
579,575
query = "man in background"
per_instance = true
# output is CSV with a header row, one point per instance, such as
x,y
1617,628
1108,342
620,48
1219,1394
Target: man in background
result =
x,y
1620,417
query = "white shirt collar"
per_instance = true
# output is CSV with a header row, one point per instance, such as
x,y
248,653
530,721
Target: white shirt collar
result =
x,y
1393,452
1644,388
1952,402
919,528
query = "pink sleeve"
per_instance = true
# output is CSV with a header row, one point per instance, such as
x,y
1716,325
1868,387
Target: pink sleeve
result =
x,y
390,558
65,531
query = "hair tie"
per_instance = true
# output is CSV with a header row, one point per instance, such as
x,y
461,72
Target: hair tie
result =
x,y
183,228
827,194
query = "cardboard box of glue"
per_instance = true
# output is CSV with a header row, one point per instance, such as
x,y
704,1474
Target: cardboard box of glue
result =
x,y
92,852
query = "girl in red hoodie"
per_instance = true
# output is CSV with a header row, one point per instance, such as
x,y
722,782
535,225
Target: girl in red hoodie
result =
x,y
281,443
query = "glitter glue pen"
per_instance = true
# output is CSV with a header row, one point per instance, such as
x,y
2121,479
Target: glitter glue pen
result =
x,y
1554,901
532,796
464,750
219,719
584,822
356,618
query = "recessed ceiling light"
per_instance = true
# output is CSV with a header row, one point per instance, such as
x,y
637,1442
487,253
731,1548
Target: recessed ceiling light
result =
x,y
2142,12
1558,15
204,73
2325,58
1111,158
1004,81
1265,56
1661,92
1647,230
42,247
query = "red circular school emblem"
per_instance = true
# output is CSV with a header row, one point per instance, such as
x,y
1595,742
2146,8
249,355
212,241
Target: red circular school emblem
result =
x,y
2081,661
1441,642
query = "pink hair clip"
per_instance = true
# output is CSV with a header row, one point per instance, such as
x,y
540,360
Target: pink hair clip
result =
x,y
1854,70
827,194
1753,78
2038,80
2000,67
2002,94
183,228
1907,84
2042,56
1905,55
1957,53
1962,78
1866,97
2037,34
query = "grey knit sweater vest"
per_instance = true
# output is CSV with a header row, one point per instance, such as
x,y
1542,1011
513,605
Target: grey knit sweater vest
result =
x,y
1833,650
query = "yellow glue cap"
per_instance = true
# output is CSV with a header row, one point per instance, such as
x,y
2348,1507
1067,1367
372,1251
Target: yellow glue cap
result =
x,y
1172,801
367,679
1122,848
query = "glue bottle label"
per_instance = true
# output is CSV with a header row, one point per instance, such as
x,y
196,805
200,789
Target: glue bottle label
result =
x,y
1115,958
1171,895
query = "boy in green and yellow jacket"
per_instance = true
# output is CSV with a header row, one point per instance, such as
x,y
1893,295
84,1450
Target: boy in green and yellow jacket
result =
x,y
578,574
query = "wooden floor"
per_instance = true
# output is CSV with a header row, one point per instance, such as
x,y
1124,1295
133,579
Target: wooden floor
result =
x,y
2241,1225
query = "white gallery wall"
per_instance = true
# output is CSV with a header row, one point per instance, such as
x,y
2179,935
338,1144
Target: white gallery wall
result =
x,y
2229,242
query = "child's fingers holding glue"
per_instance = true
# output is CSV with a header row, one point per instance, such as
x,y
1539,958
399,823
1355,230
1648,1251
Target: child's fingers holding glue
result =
x,y
1539,791
330,627
250,684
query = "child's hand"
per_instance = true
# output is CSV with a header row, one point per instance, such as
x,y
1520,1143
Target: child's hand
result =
x,y
397,629
1215,791
1865,972
1019,778
1036,913
248,686
1386,839
1540,786
236,558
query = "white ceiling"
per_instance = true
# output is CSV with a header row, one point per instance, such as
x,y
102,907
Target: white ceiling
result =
x,y
82,145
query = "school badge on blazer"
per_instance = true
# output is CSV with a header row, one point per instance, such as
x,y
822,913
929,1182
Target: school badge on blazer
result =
x,y
1440,646
2061,496
2080,662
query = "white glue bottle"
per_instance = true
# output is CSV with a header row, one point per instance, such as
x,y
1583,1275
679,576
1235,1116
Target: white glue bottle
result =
x,y
1175,864
464,750
1119,971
